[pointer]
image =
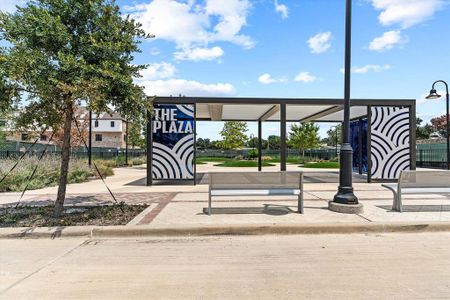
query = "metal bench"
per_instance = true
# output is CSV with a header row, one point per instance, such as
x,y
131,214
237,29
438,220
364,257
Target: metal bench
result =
x,y
419,182
255,184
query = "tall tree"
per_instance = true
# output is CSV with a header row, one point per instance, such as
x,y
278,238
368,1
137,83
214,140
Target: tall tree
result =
x,y
440,125
233,135
62,53
136,134
78,135
203,143
2,133
273,142
304,136
333,136
253,143
423,132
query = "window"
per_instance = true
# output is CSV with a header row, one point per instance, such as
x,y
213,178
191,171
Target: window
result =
x,y
43,137
24,136
124,137
96,123
112,123
98,137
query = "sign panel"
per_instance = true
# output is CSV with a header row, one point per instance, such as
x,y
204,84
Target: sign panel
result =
x,y
390,141
173,141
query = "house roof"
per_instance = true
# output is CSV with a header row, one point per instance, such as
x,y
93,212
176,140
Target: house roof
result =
x,y
83,112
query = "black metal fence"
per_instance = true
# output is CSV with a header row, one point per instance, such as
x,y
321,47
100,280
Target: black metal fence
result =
x,y
5,154
311,153
432,158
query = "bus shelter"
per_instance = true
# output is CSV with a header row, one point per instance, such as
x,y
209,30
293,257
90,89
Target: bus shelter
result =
x,y
383,134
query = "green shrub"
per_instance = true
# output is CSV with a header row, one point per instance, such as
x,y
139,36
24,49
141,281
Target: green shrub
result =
x,y
47,173
104,168
120,161
253,153
138,161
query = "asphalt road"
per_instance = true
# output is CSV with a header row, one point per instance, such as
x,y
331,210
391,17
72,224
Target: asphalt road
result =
x,y
228,267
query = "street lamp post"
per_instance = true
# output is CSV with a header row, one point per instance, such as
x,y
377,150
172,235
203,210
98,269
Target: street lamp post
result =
x,y
345,200
336,140
434,95
90,139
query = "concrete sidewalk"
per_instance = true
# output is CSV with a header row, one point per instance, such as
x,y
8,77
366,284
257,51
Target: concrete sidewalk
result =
x,y
181,206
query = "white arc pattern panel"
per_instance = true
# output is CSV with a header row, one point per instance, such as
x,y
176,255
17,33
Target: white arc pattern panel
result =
x,y
390,142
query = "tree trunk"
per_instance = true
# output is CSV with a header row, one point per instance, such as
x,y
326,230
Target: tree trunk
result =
x,y
65,157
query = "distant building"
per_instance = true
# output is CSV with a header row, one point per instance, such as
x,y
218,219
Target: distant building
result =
x,y
108,130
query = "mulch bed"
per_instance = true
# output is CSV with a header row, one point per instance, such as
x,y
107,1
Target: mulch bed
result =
x,y
36,216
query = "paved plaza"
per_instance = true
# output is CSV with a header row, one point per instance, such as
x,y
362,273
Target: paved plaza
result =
x,y
181,205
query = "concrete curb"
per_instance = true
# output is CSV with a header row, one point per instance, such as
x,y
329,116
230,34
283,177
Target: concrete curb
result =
x,y
46,232
254,229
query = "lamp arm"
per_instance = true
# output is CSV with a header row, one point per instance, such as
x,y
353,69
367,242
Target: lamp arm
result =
x,y
441,81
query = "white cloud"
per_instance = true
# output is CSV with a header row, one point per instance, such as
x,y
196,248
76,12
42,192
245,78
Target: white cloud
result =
x,y
305,77
320,43
282,9
232,16
158,71
368,68
187,88
387,41
154,51
197,54
267,79
406,13
192,25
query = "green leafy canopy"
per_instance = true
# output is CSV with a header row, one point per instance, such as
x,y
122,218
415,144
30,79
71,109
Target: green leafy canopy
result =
x,y
233,134
67,52
304,136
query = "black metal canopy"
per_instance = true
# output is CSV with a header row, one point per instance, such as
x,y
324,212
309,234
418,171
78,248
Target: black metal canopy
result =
x,y
269,109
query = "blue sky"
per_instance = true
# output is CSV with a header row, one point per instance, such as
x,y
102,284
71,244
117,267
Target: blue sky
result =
x,y
292,48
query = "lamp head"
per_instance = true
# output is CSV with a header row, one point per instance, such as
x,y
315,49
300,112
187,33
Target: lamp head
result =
x,y
433,95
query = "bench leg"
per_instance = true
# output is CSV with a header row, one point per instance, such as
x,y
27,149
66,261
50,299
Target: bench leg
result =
x,y
300,202
209,203
397,205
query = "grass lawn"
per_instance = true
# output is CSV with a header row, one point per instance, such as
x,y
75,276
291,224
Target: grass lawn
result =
x,y
289,160
204,159
322,165
242,163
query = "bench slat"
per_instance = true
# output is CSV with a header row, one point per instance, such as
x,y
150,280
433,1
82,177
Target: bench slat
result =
x,y
258,192
419,182
425,190
256,184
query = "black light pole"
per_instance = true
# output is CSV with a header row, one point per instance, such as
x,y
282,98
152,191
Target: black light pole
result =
x,y
90,139
126,144
434,95
336,140
345,200
252,137
253,145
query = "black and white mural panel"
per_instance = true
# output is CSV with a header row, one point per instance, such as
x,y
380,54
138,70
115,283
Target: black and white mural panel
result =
x,y
173,141
390,141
